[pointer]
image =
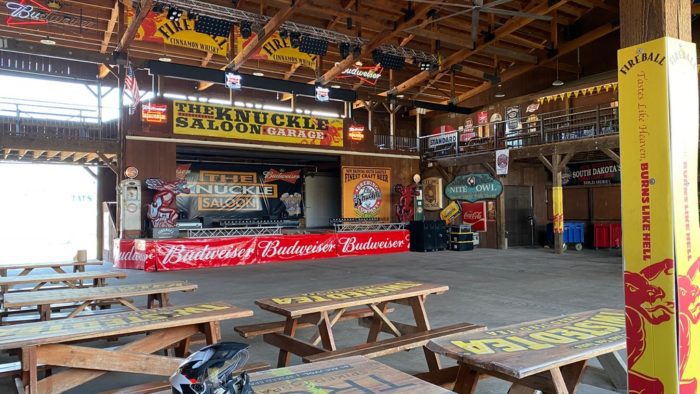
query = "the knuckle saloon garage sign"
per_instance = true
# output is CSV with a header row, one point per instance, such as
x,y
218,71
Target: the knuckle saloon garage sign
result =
x,y
223,121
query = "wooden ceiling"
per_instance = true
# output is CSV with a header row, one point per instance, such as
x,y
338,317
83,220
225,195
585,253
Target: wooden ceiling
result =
x,y
518,45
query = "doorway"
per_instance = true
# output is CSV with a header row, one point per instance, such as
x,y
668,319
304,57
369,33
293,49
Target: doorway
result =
x,y
518,211
322,199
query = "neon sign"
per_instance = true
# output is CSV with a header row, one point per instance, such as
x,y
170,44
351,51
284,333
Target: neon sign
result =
x,y
31,12
356,132
368,75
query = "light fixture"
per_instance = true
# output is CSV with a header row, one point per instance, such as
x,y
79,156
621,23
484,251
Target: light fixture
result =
x,y
212,26
313,46
400,96
429,66
557,82
47,41
359,63
295,39
335,86
174,14
344,49
259,74
158,9
54,4
499,93
284,34
165,59
246,29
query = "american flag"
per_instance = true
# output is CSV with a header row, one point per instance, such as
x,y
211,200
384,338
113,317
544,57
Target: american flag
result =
x,y
132,87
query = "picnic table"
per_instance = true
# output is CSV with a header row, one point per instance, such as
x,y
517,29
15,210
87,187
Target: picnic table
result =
x,y
84,297
53,343
77,266
548,355
71,280
324,309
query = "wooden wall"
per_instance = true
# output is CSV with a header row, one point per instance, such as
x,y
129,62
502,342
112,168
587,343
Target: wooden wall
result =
x,y
590,203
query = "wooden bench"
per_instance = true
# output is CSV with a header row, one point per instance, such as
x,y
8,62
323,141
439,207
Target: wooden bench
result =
x,y
77,266
70,280
43,300
254,330
549,355
395,345
54,343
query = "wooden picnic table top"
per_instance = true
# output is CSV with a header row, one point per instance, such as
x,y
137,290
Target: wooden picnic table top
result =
x,y
56,277
49,297
328,300
352,374
525,349
100,326
36,265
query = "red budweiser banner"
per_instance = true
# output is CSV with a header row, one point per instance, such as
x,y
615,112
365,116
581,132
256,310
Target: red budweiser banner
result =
x,y
178,254
474,213
359,244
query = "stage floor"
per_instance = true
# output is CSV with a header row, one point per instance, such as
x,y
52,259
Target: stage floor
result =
x,y
486,286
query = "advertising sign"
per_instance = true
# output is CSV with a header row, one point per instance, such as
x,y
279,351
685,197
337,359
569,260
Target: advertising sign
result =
x,y
658,148
474,213
432,194
598,173
248,192
356,132
360,244
295,247
513,117
369,75
366,192
451,211
32,12
178,254
482,117
444,135
154,113
468,132
322,94
157,28
474,187
232,80
502,161
214,120
276,49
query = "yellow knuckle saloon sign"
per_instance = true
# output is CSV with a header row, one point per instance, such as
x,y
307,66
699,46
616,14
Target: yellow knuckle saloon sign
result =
x,y
223,121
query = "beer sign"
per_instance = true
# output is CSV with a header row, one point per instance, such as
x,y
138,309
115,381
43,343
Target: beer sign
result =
x,y
474,187
154,113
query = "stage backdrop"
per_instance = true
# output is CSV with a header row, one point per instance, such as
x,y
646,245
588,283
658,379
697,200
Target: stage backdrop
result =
x,y
261,192
366,192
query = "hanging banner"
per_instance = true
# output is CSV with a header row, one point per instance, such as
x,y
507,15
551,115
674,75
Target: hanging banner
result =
x,y
658,149
295,247
275,49
366,192
180,254
451,212
502,161
223,121
367,243
598,173
432,194
157,28
253,192
133,254
474,214
474,187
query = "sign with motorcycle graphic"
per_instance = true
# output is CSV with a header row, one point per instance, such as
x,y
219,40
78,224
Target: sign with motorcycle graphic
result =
x,y
366,192
659,152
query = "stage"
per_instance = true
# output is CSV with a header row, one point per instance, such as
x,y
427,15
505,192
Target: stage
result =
x,y
190,253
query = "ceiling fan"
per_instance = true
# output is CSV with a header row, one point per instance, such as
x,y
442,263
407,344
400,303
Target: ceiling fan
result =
x,y
476,7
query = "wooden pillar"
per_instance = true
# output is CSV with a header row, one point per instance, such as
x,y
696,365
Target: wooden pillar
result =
x,y
658,96
557,205
502,242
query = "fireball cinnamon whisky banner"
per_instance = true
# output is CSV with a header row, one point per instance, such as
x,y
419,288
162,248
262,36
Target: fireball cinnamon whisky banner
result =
x,y
658,148
157,28
213,120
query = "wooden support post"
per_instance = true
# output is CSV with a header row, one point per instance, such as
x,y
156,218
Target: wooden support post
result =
x,y
501,221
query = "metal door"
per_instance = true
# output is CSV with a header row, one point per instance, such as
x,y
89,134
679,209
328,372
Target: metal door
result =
x,y
518,211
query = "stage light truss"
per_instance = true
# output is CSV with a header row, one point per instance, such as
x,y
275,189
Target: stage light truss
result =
x,y
348,227
233,232
237,16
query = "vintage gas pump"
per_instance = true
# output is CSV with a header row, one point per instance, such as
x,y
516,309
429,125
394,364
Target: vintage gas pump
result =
x,y
129,195
418,199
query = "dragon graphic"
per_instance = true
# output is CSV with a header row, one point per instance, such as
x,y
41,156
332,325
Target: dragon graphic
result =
x,y
162,211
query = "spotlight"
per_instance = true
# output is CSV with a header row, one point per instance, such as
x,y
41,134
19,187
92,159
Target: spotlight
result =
x,y
158,9
313,46
246,29
344,49
174,14
427,66
295,39
376,56
356,51
212,26
284,34
392,62
191,15
348,23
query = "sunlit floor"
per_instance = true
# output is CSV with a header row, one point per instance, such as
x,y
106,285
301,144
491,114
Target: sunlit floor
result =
x,y
489,287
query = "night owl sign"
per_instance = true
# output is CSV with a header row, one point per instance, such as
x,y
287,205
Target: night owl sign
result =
x,y
474,187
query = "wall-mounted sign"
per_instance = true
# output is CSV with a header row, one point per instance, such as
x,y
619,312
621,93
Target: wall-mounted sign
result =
x,y
482,117
451,212
366,192
442,137
154,113
157,28
322,94
532,107
598,173
512,118
131,172
369,75
474,187
468,131
214,120
496,117
31,12
276,49
502,161
232,80
432,194
356,132
474,214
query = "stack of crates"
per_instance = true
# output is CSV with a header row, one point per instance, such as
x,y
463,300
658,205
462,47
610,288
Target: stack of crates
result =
x,y
461,238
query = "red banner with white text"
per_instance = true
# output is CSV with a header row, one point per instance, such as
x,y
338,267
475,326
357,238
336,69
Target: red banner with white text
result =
x,y
190,253
360,244
134,254
295,247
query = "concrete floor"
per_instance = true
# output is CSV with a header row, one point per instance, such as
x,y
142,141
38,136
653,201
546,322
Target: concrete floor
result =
x,y
489,287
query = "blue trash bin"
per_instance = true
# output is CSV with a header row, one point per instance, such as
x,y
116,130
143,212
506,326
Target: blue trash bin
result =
x,y
573,234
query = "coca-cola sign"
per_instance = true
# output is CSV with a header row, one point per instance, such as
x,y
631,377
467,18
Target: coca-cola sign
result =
x,y
474,213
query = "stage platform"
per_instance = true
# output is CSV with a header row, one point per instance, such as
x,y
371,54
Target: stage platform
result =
x,y
189,253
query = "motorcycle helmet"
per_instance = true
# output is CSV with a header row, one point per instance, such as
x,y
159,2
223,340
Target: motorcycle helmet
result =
x,y
210,371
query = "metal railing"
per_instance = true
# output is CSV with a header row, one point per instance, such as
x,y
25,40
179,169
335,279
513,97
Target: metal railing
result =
x,y
552,127
44,120
392,142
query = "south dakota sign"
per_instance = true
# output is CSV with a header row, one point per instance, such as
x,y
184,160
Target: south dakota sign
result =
x,y
251,124
474,187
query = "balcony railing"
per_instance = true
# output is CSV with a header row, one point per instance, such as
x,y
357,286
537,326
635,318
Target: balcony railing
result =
x,y
531,130
395,143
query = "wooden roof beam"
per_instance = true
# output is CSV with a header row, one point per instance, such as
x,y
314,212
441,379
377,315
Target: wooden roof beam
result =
x,y
110,27
270,27
130,33
345,4
599,4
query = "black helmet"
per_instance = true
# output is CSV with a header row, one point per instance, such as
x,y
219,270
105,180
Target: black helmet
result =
x,y
210,371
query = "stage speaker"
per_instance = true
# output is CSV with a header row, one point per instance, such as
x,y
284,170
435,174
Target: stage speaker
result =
x,y
428,235
441,235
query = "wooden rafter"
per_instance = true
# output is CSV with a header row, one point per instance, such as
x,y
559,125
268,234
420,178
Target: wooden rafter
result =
x,y
52,153
65,155
292,70
80,156
206,59
23,152
110,27
345,4
270,27
130,33
91,157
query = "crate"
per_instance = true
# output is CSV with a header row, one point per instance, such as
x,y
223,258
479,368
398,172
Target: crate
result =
x,y
461,237
462,246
